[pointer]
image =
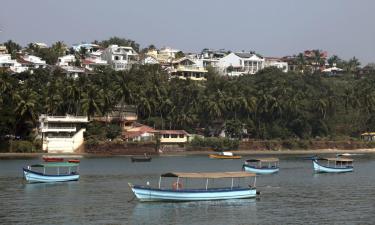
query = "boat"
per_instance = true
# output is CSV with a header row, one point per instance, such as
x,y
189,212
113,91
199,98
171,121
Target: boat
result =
x,y
179,193
334,165
262,165
224,155
74,160
145,158
53,159
63,171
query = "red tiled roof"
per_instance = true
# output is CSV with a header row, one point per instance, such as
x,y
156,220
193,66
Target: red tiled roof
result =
x,y
172,132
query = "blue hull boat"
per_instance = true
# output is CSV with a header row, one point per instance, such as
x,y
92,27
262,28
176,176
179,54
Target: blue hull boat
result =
x,y
152,194
256,170
328,169
178,193
35,177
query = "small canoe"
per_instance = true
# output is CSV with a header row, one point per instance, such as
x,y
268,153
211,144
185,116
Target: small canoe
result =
x,y
53,159
224,155
140,159
338,165
74,161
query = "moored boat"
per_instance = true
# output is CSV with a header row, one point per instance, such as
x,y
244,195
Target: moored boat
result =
x,y
179,193
52,159
63,171
145,158
74,161
262,165
224,155
334,165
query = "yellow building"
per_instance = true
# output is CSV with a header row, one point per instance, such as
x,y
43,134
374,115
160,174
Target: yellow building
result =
x,y
186,68
173,136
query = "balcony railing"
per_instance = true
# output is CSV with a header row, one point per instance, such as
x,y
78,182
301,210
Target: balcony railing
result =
x,y
191,68
68,118
59,129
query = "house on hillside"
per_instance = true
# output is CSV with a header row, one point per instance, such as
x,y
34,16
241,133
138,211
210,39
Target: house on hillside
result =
x,y
120,57
62,134
66,60
138,132
32,62
276,62
185,68
240,63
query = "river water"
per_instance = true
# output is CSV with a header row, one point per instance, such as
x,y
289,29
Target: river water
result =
x,y
293,196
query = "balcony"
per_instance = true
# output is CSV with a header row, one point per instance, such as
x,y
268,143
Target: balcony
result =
x,y
65,119
190,68
58,129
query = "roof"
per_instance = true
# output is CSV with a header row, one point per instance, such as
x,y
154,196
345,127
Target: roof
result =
x,y
57,164
172,132
368,134
263,160
339,159
212,175
246,55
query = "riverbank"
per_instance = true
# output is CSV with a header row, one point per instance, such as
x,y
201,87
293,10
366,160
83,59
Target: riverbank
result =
x,y
186,153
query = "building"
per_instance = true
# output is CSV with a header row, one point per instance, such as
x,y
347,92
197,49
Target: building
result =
x,y
368,136
66,60
167,54
173,136
185,68
32,62
138,132
235,64
73,71
93,62
149,60
90,48
276,62
6,62
3,50
62,134
120,57
333,71
210,58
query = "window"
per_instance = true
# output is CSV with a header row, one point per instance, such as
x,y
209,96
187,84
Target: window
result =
x,y
174,135
181,136
116,57
165,135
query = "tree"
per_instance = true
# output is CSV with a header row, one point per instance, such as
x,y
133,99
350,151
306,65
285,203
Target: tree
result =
x,y
179,55
12,48
120,42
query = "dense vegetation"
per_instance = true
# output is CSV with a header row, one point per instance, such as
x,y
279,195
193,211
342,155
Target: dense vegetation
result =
x,y
269,105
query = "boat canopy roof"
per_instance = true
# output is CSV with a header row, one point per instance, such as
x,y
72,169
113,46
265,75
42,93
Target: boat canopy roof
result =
x,y
339,159
263,160
212,175
227,153
57,164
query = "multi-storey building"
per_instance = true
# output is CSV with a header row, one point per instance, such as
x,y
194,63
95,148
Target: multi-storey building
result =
x,y
120,57
62,134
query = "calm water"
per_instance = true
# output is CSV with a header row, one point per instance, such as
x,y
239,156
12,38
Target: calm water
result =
x,y
102,195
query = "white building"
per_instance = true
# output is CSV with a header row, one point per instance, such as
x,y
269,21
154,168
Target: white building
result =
x,y
149,60
93,62
210,58
235,64
62,134
7,62
33,62
276,62
73,71
88,46
66,60
185,68
120,57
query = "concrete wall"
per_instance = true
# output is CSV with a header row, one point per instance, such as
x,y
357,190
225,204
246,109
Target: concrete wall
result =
x,y
64,145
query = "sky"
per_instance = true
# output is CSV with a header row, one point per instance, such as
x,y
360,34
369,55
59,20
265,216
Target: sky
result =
x,y
269,27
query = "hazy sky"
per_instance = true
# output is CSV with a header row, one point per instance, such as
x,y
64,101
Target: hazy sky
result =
x,y
270,27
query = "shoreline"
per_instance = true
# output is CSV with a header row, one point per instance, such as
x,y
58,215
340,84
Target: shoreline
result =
x,y
188,153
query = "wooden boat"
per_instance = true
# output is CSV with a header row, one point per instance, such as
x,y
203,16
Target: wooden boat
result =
x,y
262,165
334,165
64,171
74,160
224,155
179,193
145,158
52,159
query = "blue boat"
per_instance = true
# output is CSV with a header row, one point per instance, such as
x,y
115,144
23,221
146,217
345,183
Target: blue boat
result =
x,y
262,165
40,173
178,193
334,165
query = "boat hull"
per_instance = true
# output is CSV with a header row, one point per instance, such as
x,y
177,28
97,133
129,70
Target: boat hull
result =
x,y
253,169
151,194
325,169
135,159
224,157
35,177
